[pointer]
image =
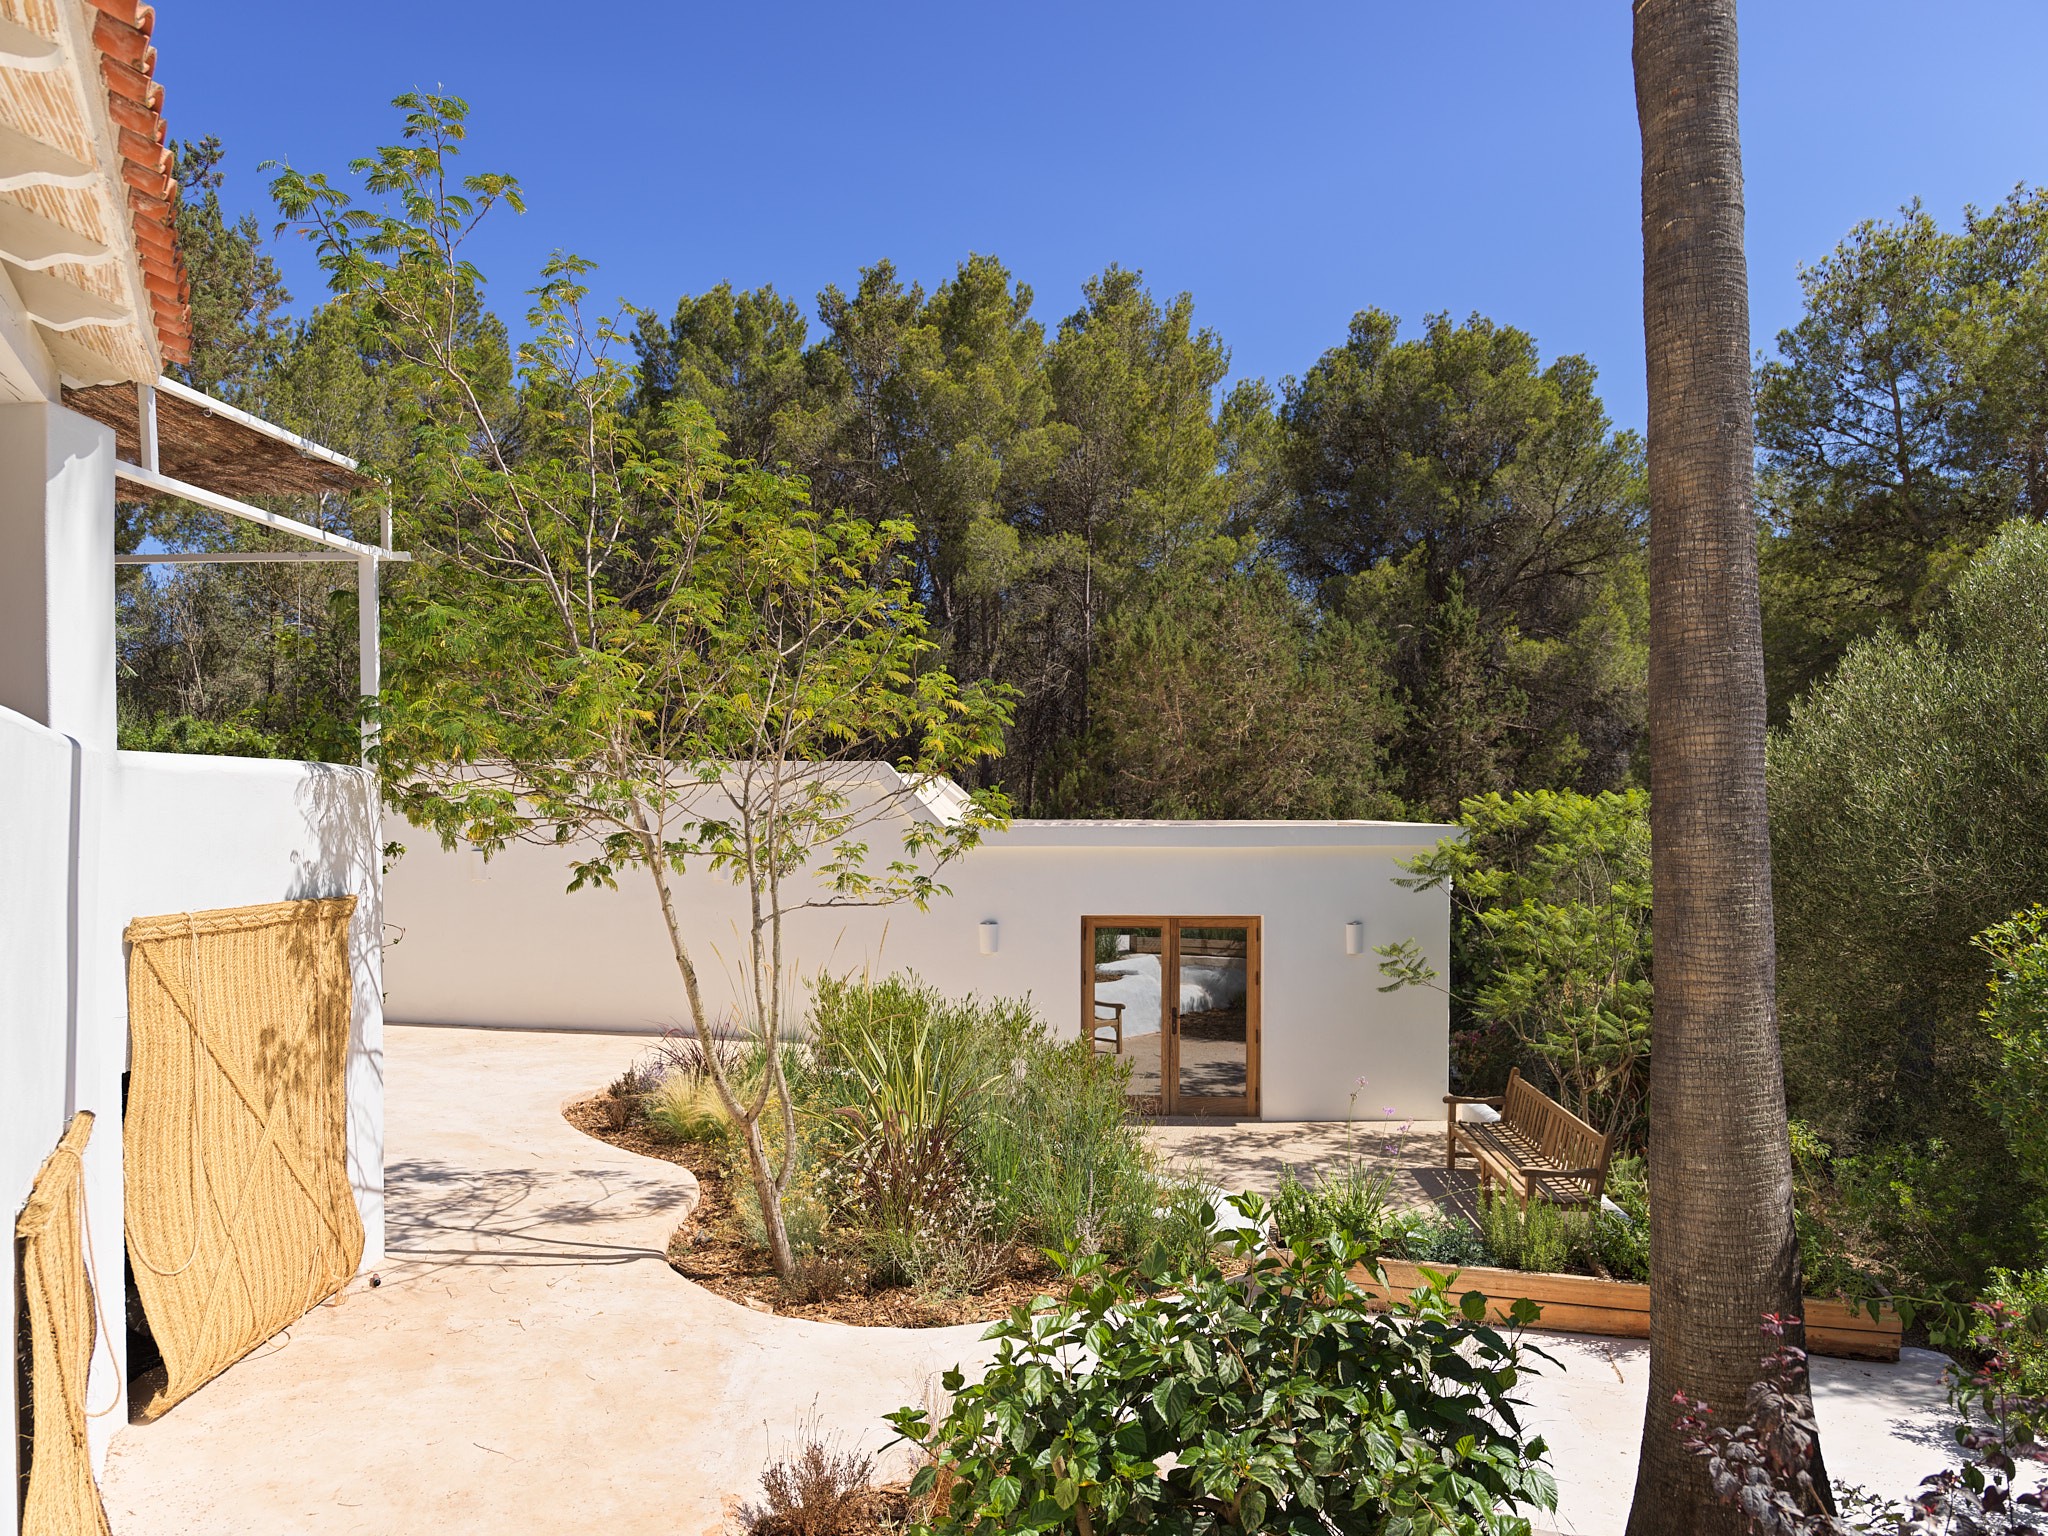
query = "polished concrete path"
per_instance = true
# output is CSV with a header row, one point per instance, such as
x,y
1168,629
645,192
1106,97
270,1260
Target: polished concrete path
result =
x,y
531,1364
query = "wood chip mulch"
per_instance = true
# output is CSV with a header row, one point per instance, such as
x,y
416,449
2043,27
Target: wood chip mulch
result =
x,y
708,1249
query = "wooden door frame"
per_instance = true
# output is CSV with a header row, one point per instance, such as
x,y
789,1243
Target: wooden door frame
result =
x,y
1168,1101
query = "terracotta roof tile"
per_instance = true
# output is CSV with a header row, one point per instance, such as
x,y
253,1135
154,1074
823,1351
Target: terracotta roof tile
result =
x,y
122,31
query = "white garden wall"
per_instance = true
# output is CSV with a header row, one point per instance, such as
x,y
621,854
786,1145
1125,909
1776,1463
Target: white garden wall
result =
x,y
191,833
501,943
92,839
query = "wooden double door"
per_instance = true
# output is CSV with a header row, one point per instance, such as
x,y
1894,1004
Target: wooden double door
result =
x,y
1177,998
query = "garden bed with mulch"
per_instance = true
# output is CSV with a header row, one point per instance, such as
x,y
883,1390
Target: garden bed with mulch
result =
x,y
709,1249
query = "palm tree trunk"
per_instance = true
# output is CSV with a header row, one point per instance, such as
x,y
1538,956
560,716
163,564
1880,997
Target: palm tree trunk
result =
x,y
1722,1251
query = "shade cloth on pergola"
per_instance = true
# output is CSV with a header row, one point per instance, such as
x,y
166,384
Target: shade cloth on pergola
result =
x,y
210,443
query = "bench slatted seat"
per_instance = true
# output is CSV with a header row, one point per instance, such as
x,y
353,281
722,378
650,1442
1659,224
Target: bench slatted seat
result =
x,y
1536,1148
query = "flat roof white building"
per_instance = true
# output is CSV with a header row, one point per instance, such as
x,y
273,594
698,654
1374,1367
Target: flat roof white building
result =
x,y
1230,961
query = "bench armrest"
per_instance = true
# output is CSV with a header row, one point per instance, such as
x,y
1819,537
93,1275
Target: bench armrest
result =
x,y
1495,1101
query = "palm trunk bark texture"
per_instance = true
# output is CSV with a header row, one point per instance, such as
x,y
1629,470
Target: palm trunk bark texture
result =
x,y
1722,1251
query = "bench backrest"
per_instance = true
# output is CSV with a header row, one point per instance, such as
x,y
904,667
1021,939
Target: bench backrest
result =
x,y
1561,1136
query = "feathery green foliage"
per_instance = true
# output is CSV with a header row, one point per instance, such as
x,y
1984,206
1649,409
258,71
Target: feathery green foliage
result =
x,y
1550,897
615,639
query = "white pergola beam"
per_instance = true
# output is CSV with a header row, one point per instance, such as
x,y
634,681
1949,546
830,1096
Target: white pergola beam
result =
x,y
27,162
145,427
244,557
149,476
22,49
32,241
369,644
213,501
62,306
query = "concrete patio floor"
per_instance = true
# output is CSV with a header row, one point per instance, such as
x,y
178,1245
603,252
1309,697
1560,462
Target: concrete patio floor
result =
x,y
1255,1155
530,1363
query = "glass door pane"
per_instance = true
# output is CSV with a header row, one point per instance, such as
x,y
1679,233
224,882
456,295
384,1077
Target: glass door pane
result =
x,y
1126,1001
1212,1005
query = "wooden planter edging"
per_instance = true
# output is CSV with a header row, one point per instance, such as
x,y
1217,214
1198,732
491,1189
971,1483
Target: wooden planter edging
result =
x,y
1621,1308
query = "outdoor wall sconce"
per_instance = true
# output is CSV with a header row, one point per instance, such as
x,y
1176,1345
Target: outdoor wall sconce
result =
x,y
1354,938
988,935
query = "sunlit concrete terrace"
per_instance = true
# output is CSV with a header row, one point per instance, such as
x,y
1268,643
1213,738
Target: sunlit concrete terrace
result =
x,y
530,1362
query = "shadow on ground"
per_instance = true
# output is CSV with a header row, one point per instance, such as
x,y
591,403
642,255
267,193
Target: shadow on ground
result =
x,y
440,1214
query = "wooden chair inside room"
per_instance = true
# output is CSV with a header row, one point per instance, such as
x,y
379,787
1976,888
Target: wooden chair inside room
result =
x,y
1114,1023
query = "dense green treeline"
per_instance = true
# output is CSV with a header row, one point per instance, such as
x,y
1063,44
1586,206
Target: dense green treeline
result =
x,y
1411,575
251,659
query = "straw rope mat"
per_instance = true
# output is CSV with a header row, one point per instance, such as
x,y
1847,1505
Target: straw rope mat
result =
x,y
63,1500
240,1218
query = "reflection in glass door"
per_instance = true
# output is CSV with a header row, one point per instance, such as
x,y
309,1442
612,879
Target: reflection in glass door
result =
x,y
1177,1000
1212,1018
1125,1003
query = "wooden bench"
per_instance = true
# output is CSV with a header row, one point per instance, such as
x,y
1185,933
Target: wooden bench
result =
x,y
1536,1147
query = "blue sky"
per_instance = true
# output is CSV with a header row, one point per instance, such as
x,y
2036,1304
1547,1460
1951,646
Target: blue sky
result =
x,y
1287,164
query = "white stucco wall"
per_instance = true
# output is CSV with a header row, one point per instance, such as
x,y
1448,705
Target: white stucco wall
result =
x,y
54,1057
57,570
191,833
91,840
501,943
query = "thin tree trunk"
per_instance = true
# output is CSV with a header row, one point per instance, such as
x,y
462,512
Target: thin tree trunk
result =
x,y
767,1188
1722,1251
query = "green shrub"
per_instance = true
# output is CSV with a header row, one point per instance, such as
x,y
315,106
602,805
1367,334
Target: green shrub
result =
x,y
1351,1198
1183,1229
1911,1218
1907,800
681,1107
1536,1239
1272,1398
1440,1239
188,733
1624,1246
1044,1143
1067,1166
1542,1239
2014,1309
2017,1018
805,1215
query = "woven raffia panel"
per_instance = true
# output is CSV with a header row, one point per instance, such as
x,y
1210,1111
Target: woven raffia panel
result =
x,y
240,1218
62,1497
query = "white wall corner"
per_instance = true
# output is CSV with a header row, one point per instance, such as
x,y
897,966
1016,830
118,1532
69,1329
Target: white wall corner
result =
x,y
57,571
